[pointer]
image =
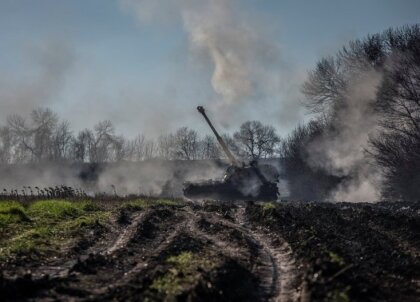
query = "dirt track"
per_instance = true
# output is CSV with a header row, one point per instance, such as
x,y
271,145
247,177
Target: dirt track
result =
x,y
234,254
122,264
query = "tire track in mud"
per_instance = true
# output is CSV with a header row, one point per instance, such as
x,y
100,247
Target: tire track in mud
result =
x,y
286,285
106,266
274,266
126,234
129,256
113,269
140,266
62,271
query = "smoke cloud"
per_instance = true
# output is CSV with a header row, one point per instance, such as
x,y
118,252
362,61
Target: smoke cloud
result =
x,y
47,67
245,62
342,151
154,178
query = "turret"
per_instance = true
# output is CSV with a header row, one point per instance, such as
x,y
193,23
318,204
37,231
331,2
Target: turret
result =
x,y
222,143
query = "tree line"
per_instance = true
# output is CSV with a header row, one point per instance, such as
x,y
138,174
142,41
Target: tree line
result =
x,y
390,117
44,137
365,102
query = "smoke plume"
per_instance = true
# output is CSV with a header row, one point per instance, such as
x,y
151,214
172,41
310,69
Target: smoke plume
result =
x,y
245,62
342,150
154,178
48,65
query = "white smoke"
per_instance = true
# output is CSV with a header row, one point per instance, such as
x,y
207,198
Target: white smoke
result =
x,y
211,29
245,61
48,64
152,178
342,152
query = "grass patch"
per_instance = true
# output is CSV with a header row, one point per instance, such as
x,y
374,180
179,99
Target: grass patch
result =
x,y
46,227
36,240
183,272
337,259
97,219
339,295
140,204
167,202
12,212
52,225
136,205
268,206
57,209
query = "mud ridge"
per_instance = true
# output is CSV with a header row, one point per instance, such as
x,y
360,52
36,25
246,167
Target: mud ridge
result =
x,y
286,285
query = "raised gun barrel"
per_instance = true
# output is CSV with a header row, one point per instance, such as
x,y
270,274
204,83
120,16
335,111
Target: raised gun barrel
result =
x,y
222,143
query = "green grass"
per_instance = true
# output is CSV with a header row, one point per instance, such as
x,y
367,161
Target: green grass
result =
x,y
337,259
167,202
339,295
45,227
58,209
182,273
136,205
268,206
140,204
268,210
49,226
12,212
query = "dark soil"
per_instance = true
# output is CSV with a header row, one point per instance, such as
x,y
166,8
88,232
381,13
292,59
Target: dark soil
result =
x,y
351,252
283,252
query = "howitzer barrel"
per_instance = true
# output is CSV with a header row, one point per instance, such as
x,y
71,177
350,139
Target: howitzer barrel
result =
x,y
222,143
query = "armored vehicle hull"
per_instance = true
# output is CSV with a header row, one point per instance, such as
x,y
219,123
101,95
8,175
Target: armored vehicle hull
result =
x,y
240,182
227,191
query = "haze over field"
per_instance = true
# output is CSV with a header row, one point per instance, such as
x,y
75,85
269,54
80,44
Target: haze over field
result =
x,y
335,96
210,150
130,61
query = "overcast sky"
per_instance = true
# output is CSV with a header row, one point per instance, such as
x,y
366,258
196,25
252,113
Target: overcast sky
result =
x,y
147,64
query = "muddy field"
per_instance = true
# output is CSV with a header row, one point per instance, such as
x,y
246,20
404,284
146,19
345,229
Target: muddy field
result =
x,y
153,250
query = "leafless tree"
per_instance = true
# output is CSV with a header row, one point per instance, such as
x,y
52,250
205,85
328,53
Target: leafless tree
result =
x,y
209,148
80,146
36,138
232,144
257,140
397,148
61,141
119,149
186,143
101,142
135,148
325,85
150,149
166,146
6,145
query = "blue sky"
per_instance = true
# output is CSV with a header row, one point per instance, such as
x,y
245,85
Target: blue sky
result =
x,y
91,60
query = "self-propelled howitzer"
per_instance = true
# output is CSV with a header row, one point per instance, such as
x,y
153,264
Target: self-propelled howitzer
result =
x,y
240,181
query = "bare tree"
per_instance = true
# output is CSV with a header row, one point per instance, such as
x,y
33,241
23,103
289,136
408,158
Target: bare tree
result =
x,y
35,138
325,85
101,142
257,140
186,143
397,148
61,141
119,149
6,145
166,146
209,148
232,145
80,146
44,124
150,149
136,148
